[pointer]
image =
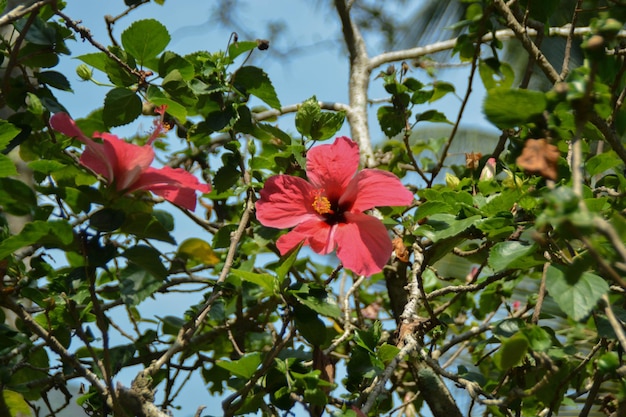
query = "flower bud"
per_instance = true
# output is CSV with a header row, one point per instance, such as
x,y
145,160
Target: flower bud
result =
x,y
84,72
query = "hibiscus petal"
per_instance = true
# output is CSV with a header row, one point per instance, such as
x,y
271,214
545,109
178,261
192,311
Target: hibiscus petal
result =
x,y
285,202
64,124
130,159
331,167
363,244
95,156
316,233
374,188
173,184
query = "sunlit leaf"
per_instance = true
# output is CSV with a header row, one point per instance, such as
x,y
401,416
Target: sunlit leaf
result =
x,y
197,250
145,39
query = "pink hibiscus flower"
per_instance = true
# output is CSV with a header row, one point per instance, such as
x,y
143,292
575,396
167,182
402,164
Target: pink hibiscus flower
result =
x,y
327,211
127,166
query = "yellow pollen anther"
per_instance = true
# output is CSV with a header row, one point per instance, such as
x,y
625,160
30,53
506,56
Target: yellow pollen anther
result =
x,y
321,204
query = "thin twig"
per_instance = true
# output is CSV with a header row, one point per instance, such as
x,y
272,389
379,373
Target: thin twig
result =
x,y
347,323
21,11
541,295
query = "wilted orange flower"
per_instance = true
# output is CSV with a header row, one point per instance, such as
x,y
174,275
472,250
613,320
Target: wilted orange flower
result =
x,y
472,160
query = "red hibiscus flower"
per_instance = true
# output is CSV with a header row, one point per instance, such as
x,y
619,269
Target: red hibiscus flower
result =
x,y
327,211
127,166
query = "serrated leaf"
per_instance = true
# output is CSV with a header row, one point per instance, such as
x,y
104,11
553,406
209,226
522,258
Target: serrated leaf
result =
x,y
52,234
147,258
117,74
145,39
243,367
576,293
391,121
508,108
512,254
7,133
137,284
121,106
318,300
197,250
46,166
170,61
253,80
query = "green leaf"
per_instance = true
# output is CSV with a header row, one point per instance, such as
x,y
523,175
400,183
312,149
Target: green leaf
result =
x,y
432,207
107,219
512,352
144,225
310,326
16,197
46,166
147,258
317,299
137,284
441,88
507,108
145,39
313,123
265,281
511,255
97,60
51,234
287,262
576,292
156,97
16,404
602,162
253,80
243,367
432,116
7,168
443,226
540,340
7,133
197,250
391,121
170,61
117,74
54,79
175,85
237,48
496,74
121,106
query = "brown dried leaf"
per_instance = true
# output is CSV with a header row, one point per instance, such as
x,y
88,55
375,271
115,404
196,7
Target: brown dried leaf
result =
x,y
539,157
401,252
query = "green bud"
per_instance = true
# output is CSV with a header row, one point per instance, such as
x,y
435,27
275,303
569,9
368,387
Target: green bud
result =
x,y
452,181
34,104
84,72
610,28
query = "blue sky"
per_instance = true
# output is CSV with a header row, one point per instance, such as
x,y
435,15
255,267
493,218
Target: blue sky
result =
x,y
320,67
